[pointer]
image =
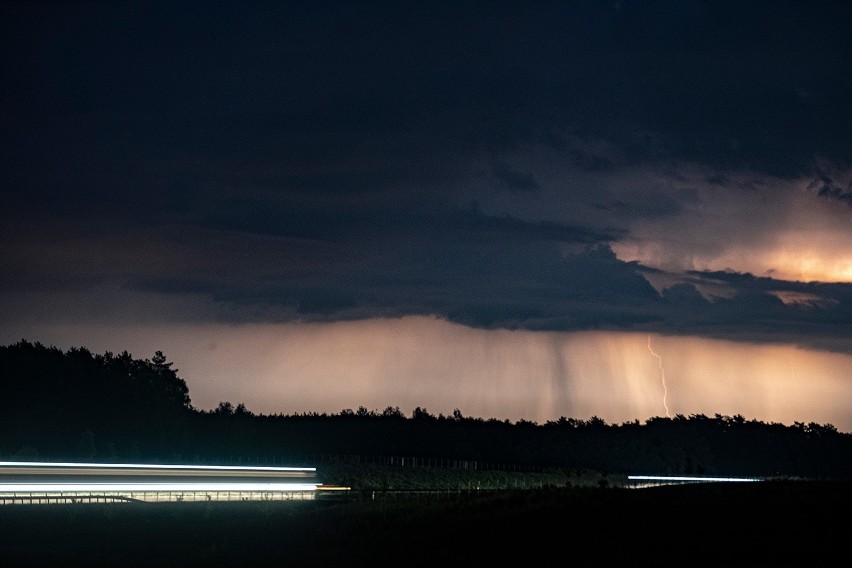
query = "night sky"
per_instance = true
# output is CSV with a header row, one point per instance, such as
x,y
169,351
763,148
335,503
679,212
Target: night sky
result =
x,y
530,210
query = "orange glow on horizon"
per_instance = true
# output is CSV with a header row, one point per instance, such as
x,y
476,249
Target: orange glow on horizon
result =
x,y
439,366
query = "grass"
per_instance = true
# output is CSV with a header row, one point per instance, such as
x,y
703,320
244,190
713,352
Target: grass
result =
x,y
775,523
369,477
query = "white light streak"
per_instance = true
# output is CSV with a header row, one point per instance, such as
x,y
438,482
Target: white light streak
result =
x,y
688,478
155,466
151,487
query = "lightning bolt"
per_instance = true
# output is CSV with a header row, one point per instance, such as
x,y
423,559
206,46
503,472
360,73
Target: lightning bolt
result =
x,y
662,376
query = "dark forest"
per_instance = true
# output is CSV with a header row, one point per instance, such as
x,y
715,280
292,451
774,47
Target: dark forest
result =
x,y
77,405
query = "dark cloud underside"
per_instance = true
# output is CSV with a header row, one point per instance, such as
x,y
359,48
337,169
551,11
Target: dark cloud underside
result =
x,y
321,161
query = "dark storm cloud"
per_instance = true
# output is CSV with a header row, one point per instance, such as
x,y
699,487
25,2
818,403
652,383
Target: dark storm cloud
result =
x,y
812,314
731,84
308,160
827,187
482,282
655,205
513,179
489,282
418,261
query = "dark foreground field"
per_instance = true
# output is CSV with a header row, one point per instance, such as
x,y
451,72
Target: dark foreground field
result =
x,y
769,523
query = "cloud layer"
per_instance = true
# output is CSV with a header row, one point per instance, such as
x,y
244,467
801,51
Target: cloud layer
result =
x,y
553,166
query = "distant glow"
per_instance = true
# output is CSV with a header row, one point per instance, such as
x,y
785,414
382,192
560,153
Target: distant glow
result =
x,y
794,260
496,373
788,259
777,229
155,466
143,487
688,478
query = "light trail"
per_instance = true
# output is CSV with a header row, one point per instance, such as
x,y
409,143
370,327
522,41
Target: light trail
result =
x,y
150,470
61,481
662,376
156,466
689,478
150,487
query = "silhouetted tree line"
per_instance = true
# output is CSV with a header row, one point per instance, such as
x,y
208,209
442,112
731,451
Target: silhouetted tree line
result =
x,y
79,405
